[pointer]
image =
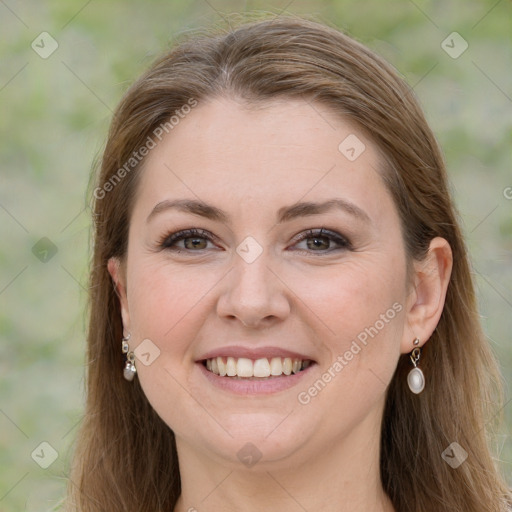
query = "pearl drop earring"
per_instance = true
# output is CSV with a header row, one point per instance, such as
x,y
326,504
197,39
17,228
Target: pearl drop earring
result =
x,y
129,368
416,379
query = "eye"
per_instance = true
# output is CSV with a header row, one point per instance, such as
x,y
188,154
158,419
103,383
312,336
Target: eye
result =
x,y
194,240
320,241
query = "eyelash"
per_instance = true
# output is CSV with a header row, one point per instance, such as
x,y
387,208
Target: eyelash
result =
x,y
168,240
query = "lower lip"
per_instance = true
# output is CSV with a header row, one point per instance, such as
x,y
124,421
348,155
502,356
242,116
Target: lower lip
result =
x,y
255,387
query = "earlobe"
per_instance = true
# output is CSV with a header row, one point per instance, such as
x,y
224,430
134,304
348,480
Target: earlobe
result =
x,y
431,278
116,271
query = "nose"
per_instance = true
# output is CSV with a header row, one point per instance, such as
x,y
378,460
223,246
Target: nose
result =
x,y
254,294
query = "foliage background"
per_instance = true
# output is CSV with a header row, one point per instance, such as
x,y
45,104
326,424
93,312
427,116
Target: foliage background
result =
x,y
55,113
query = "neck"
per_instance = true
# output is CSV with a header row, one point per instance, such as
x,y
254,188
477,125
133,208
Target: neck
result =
x,y
340,478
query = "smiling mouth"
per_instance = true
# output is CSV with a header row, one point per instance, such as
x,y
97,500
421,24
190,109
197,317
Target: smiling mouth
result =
x,y
264,368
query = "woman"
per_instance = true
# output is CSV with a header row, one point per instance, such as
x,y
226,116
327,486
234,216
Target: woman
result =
x,y
282,315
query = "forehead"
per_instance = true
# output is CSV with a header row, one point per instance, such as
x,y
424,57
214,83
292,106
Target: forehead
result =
x,y
263,156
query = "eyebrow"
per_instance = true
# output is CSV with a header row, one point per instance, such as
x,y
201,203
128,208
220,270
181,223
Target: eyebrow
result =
x,y
284,214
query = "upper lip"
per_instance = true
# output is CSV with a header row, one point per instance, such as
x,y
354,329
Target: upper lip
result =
x,y
237,351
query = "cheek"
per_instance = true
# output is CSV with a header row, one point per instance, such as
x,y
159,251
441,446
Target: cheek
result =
x,y
166,307
357,295
363,306
161,296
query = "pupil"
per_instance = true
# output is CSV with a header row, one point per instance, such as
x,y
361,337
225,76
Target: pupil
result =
x,y
194,241
318,241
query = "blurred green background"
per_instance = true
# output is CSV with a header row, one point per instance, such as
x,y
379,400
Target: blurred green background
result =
x,y
55,113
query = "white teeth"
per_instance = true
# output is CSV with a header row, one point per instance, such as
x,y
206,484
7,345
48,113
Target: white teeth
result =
x,y
276,366
231,367
221,366
262,368
244,367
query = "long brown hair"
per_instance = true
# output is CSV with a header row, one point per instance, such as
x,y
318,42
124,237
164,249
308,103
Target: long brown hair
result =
x,y
125,457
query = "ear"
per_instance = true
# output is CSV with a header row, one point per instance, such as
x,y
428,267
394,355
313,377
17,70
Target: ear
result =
x,y
117,271
427,295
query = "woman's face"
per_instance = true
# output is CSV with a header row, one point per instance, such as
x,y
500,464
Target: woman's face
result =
x,y
258,283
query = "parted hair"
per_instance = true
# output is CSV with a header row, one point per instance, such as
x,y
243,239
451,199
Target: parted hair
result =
x,y
125,456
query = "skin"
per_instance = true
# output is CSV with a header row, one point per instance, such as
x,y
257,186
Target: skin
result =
x,y
251,161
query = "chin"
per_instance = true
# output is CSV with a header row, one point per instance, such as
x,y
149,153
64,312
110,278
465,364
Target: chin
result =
x,y
256,441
